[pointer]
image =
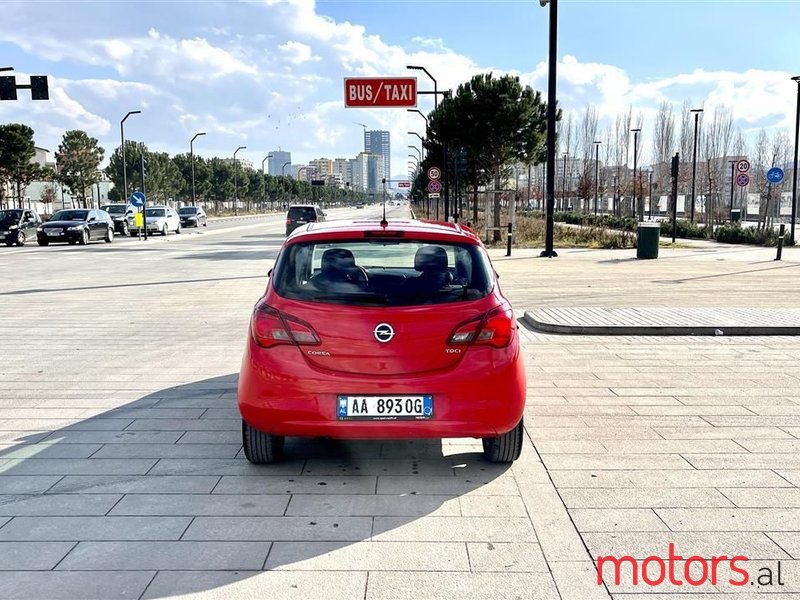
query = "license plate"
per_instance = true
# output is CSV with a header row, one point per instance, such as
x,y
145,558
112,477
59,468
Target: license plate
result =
x,y
384,408
53,233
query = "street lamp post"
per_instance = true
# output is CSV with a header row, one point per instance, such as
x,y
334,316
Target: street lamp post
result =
x,y
421,140
733,176
564,184
795,164
639,208
264,178
236,181
283,175
596,174
696,112
191,155
124,195
650,193
549,251
419,153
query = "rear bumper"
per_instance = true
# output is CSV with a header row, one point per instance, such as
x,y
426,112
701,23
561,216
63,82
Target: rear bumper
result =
x,y
70,236
280,393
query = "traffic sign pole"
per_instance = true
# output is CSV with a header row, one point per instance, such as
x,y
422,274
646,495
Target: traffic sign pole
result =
x,y
144,202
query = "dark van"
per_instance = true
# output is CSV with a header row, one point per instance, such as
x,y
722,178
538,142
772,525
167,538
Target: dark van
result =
x,y
301,214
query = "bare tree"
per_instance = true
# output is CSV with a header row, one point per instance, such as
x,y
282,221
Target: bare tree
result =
x,y
716,145
588,135
622,127
663,141
768,153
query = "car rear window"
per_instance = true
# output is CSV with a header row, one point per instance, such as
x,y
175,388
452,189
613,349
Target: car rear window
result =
x,y
382,272
302,213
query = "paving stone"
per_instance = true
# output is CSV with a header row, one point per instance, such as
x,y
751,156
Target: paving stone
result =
x,y
166,556
219,466
730,519
616,519
136,484
504,557
185,425
680,478
492,506
561,462
278,484
27,484
93,528
57,505
640,545
21,451
37,425
113,437
645,498
453,529
78,466
447,586
279,528
745,461
593,433
382,466
53,585
32,556
456,486
727,433
244,585
210,437
200,504
577,581
357,505
371,556
168,451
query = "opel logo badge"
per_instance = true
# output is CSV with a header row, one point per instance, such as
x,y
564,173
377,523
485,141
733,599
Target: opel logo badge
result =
x,y
383,332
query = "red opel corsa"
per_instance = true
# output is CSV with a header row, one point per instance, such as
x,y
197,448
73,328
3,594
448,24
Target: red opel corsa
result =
x,y
376,330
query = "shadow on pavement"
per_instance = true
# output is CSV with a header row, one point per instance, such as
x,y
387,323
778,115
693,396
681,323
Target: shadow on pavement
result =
x,y
155,498
125,285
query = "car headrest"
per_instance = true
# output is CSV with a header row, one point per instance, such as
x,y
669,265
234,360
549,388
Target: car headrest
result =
x,y
430,258
337,259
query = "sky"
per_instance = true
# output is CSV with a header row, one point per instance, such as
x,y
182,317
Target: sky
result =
x,y
268,74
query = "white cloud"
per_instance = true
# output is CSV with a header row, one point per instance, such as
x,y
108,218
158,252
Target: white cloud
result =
x,y
298,53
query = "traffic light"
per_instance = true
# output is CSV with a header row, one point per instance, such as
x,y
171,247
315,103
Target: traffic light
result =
x,y
8,87
39,89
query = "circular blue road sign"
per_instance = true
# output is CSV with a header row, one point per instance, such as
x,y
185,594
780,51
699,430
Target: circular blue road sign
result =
x,y
137,199
775,175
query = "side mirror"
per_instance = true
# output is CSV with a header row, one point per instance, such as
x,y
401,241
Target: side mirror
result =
x,y
92,219
269,273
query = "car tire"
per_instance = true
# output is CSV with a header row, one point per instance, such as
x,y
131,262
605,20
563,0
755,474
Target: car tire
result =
x,y
84,238
42,242
505,448
21,238
125,229
261,448
133,234
109,235
164,230
178,229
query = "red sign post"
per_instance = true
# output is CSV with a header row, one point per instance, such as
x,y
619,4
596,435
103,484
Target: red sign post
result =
x,y
404,184
380,92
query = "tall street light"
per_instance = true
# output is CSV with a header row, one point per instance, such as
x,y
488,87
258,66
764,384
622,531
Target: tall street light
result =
x,y
564,184
548,251
191,155
236,181
435,85
795,164
124,195
639,208
596,174
696,112
732,164
264,178
650,196
421,140
419,152
283,175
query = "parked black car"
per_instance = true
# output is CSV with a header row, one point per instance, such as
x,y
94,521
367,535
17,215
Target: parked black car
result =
x,y
301,214
193,216
76,226
18,225
122,215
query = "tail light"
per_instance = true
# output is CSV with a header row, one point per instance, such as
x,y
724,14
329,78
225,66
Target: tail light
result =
x,y
288,221
495,328
272,328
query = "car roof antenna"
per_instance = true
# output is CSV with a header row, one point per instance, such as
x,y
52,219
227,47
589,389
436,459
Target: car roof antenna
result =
x,y
384,222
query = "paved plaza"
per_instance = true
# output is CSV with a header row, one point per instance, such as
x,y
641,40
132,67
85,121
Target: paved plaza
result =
x,y
122,476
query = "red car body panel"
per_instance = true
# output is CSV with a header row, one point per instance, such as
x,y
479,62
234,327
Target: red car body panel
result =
x,y
292,390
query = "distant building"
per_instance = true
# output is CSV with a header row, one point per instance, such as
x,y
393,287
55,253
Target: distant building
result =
x,y
343,167
322,166
276,162
243,163
378,142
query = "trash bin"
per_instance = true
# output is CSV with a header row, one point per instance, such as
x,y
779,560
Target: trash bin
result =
x,y
736,215
647,240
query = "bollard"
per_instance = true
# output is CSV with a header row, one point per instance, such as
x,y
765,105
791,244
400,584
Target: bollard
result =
x,y
508,243
781,234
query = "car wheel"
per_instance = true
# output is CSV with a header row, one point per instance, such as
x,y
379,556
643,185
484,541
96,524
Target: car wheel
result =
x,y
125,229
178,230
164,231
42,242
505,448
205,223
261,448
109,235
21,238
84,238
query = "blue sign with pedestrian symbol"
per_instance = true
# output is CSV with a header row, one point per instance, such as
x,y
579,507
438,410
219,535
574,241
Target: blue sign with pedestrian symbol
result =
x,y
775,175
137,199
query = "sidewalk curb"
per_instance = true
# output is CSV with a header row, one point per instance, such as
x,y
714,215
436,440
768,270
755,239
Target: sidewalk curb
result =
x,y
530,320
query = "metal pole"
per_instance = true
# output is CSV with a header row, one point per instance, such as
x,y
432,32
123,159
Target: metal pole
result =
x,y
696,112
124,194
549,251
191,152
144,202
733,176
795,163
639,208
781,234
596,174
650,196
236,181
676,160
